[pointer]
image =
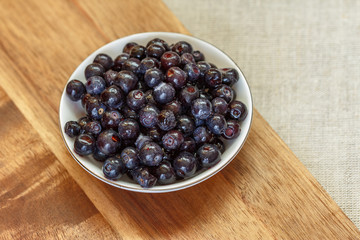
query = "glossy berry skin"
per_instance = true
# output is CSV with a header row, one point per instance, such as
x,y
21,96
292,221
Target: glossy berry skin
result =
x,y
155,51
172,140
202,135
182,47
129,113
225,92
153,77
198,56
216,123
138,52
113,168
141,140
136,99
188,145
208,155
143,177
94,69
84,99
186,125
192,71
75,90
187,58
174,106
165,173
160,42
148,116
129,157
188,94
109,77
219,144
164,93
129,129
219,105
95,85
126,80
155,134
166,120
201,108
84,144
93,127
127,48
149,97
199,122
132,65
105,60
170,59
213,77
119,61
72,128
185,164
108,142
146,64
237,110
112,97
232,130
82,122
94,108
150,154
99,156
230,76
204,67
176,77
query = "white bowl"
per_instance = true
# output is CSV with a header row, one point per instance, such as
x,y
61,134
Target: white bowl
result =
x,y
70,110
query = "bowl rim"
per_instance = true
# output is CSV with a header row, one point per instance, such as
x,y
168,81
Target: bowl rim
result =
x,y
168,187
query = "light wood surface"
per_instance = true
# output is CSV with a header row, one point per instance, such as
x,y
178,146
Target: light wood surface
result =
x,y
264,193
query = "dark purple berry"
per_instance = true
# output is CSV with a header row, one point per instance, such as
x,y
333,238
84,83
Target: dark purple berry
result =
x,y
127,48
132,65
189,94
148,116
143,177
141,140
198,56
108,142
72,128
110,76
202,135
185,164
165,173
182,47
213,77
150,154
146,64
95,109
187,58
119,61
203,67
138,52
166,120
188,145
186,125
136,99
216,123
219,105
155,51
176,77
129,129
95,85
82,122
174,106
192,71
172,140
84,144
163,93
93,127
113,168
105,60
129,157
99,156
153,77
208,155
237,110
160,42
126,80
149,97
112,97
84,99
230,76
155,134
232,130
170,59
201,108
75,90
94,69
129,113
219,144
225,92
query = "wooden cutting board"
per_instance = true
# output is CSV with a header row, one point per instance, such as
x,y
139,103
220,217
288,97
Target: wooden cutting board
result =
x,y
264,193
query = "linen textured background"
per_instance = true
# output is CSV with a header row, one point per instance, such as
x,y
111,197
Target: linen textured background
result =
x,y
302,62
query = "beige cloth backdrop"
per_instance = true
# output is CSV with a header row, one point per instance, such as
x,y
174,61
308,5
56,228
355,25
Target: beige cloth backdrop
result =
x,y
302,61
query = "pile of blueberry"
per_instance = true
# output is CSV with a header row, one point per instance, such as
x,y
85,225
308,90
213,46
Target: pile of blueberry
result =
x,y
157,113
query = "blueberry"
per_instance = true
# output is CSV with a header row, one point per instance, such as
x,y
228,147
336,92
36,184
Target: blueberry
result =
x,y
185,164
143,177
141,140
232,130
72,129
112,97
105,60
129,113
186,125
119,61
192,71
237,110
82,122
202,135
155,134
155,51
94,69
172,140
149,97
164,93
187,58
93,127
95,109
208,155
111,119
146,64
216,123
174,106
219,105
201,108
138,52
150,154
219,144
129,129
176,77
136,99
108,142
160,42
132,65
110,76
113,168
84,144
129,157
95,85
213,77
198,56
165,173
126,80
75,90
203,67
188,145
225,92
188,94
99,156
230,76
84,99
182,47
170,59
148,116
153,77
166,120
127,48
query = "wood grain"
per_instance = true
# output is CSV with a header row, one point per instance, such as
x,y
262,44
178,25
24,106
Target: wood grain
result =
x,y
265,193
